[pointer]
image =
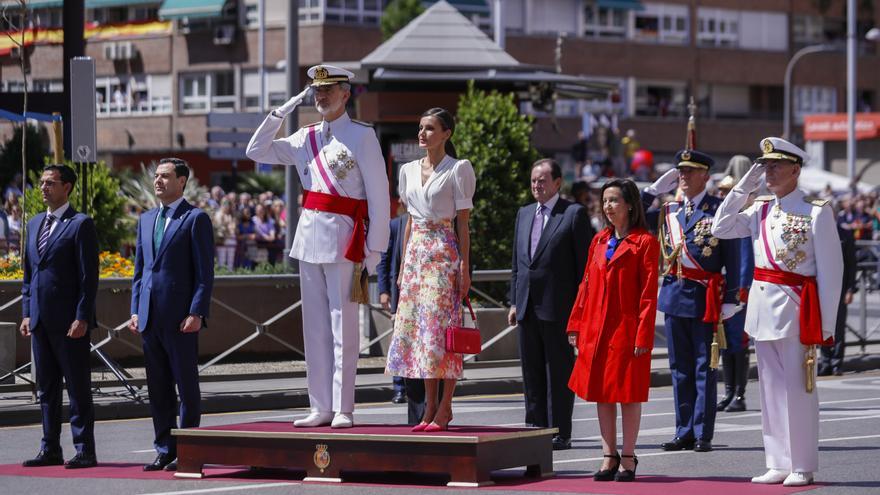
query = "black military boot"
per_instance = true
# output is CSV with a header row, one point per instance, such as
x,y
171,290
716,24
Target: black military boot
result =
x,y
727,362
738,404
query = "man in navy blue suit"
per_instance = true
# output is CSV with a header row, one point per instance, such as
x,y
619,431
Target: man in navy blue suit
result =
x,y
551,241
386,272
171,295
694,294
58,308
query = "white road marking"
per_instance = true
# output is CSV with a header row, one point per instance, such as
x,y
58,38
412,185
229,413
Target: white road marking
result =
x,y
838,439
226,489
142,451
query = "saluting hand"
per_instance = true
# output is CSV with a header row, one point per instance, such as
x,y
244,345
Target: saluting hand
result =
x,y
292,103
77,329
190,324
665,183
752,180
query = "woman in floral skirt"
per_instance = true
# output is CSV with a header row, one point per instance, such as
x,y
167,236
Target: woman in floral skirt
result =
x,y
435,277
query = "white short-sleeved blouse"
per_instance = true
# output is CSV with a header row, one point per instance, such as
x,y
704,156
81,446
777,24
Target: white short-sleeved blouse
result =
x,y
449,189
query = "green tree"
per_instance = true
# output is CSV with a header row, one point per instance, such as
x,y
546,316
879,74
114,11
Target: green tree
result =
x,y
137,188
398,14
496,139
255,182
106,205
10,152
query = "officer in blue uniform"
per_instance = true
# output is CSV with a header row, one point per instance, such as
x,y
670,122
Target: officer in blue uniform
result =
x,y
696,263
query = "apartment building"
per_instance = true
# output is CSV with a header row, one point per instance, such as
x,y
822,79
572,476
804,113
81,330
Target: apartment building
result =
x,y
162,66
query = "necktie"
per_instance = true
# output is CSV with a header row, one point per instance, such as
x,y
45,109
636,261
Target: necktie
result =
x,y
537,228
160,228
688,210
43,240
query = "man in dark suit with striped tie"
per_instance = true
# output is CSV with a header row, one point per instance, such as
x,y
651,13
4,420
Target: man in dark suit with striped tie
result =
x,y
170,298
58,308
550,244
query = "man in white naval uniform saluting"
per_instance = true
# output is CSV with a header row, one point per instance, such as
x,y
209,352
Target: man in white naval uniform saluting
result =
x,y
792,303
344,225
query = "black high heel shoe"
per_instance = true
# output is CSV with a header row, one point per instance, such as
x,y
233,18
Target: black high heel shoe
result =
x,y
626,474
608,474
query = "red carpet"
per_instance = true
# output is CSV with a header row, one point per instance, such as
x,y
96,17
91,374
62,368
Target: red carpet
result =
x,y
367,429
647,484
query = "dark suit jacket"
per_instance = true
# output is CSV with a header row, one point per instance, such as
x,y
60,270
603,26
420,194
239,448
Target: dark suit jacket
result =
x,y
60,286
549,280
177,280
391,259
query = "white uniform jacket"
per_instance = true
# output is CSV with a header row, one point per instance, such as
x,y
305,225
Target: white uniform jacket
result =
x,y
353,166
794,234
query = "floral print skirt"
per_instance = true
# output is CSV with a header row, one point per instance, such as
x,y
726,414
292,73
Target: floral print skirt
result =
x,y
428,304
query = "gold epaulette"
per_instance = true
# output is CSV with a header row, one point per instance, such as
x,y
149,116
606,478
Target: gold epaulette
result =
x,y
765,198
361,122
815,201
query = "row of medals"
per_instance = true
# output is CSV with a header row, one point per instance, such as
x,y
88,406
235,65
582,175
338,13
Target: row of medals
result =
x,y
794,233
703,236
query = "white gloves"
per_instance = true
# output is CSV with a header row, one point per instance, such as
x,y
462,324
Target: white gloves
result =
x,y
752,180
730,309
290,104
667,182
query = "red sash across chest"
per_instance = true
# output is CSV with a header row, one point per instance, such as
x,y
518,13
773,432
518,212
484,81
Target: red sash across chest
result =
x,y
809,312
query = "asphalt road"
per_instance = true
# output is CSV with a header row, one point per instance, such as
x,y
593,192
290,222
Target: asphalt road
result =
x,y
849,445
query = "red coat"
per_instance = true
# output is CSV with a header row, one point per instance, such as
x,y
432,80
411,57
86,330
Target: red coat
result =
x,y
614,313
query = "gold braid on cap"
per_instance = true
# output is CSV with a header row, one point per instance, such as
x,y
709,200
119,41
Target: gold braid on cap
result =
x,y
321,73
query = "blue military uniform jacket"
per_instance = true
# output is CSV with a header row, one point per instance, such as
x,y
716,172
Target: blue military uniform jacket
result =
x,y
687,298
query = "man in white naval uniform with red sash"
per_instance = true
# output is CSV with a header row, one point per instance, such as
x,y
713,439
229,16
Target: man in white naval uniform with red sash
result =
x,y
344,225
792,303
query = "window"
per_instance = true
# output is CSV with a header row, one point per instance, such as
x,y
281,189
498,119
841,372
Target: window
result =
x,y
813,99
661,98
34,86
342,11
811,29
604,22
310,11
276,90
144,13
138,94
207,92
717,27
47,18
662,23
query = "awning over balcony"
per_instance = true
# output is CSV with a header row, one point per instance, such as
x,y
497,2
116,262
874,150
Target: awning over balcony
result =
x,y
621,4
35,4
192,9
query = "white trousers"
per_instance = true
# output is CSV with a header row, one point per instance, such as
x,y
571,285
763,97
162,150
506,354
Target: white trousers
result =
x,y
789,415
330,335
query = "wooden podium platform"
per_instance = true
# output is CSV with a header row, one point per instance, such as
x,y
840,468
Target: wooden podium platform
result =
x,y
468,454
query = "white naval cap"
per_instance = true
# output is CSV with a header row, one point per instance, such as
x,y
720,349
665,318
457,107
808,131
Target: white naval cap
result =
x,y
779,149
323,75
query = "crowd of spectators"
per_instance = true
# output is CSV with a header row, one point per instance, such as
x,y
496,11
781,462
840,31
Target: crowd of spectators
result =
x,y
248,229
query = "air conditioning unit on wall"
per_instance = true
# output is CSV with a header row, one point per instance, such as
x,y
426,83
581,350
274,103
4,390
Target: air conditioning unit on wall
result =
x,y
224,34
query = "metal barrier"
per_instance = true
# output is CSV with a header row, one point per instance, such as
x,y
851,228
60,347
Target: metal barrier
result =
x,y
868,278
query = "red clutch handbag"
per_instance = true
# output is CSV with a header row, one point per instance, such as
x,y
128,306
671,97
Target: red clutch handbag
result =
x,y
464,340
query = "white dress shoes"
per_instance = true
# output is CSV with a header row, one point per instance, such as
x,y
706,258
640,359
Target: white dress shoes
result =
x,y
342,420
314,419
771,477
798,479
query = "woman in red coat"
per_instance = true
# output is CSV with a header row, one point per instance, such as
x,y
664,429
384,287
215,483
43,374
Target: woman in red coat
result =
x,y
612,324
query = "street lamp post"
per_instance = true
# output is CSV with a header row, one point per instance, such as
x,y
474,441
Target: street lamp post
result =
x,y
807,50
